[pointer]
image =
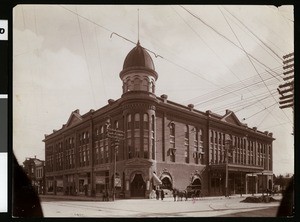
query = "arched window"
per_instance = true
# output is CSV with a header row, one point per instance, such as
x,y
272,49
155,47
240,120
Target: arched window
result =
x,y
146,121
137,137
137,121
101,132
116,124
137,84
196,143
152,137
128,137
146,135
145,84
186,132
172,129
152,87
172,142
186,143
129,122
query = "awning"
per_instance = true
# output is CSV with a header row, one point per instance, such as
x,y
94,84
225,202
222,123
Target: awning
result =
x,y
156,180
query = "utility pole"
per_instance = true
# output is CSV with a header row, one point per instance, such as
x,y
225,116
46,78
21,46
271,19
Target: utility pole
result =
x,y
286,90
115,135
228,146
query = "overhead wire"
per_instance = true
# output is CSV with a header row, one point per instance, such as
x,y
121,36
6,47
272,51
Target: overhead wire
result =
x,y
86,60
236,104
266,115
230,86
223,36
219,96
252,64
203,41
259,112
156,55
280,58
100,61
182,67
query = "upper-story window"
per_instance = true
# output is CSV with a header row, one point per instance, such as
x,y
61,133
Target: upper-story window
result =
x,y
137,121
101,132
137,137
153,87
216,137
116,124
146,121
144,84
129,122
186,143
196,145
172,142
137,84
146,136
152,137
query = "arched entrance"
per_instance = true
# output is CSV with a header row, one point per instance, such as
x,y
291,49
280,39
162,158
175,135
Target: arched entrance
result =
x,y
138,186
166,182
197,182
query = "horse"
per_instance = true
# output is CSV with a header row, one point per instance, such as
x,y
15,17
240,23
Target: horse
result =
x,y
181,194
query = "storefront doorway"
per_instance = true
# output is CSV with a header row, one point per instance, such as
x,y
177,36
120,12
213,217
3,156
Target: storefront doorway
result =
x,y
138,186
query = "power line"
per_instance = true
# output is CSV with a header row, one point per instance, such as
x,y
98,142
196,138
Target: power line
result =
x,y
196,104
86,59
265,117
248,105
223,36
259,111
253,34
252,63
206,44
100,62
250,79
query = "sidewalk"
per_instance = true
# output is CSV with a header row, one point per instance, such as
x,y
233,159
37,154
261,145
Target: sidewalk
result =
x,y
97,198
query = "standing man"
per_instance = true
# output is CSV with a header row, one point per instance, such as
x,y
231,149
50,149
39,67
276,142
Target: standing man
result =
x,y
162,194
174,194
157,193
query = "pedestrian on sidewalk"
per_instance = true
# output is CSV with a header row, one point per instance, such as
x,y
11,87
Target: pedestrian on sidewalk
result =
x,y
157,193
174,194
162,195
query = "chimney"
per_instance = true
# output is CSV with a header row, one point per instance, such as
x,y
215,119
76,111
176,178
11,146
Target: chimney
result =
x,y
164,97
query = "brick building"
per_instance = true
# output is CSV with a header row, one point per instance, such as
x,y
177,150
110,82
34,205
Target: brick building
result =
x,y
35,170
165,144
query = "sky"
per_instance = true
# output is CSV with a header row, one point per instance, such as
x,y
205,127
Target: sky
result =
x,y
68,57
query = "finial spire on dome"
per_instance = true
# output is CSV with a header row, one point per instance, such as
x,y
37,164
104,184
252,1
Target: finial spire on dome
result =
x,y
138,26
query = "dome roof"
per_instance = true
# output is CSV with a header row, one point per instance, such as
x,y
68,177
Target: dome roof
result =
x,y
138,57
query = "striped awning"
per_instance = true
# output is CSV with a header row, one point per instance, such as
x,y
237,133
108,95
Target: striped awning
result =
x,y
156,180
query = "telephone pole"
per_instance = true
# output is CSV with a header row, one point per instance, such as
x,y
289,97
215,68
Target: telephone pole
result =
x,y
115,135
286,90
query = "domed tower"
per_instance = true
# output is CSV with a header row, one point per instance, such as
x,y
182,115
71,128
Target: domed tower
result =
x,y
138,72
139,104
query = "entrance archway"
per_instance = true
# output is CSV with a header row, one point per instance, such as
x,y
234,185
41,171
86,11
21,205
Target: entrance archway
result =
x,y
196,182
166,183
138,186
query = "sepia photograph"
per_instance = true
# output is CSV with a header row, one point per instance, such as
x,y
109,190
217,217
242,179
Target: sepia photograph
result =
x,y
153,111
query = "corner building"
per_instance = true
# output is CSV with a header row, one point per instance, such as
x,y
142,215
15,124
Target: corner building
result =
x,y
165,144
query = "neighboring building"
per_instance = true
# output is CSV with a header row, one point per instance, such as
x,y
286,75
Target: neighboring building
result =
x,y
165,144
35,170
281,182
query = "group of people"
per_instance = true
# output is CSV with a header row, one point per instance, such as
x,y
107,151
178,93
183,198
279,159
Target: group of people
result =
x,y
105,194
159,194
